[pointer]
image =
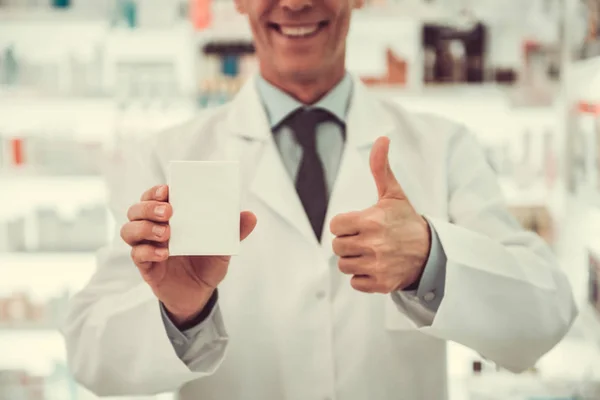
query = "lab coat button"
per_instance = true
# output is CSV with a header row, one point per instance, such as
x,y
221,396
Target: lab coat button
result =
x,y
429,297
321,294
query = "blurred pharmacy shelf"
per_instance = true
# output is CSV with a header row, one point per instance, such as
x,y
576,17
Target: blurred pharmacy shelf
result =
x,y
27,192
231,27
45,274
150,79
32,259
32,326
17,15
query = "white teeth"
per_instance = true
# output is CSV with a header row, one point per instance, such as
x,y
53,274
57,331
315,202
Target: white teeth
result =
x,y
298,31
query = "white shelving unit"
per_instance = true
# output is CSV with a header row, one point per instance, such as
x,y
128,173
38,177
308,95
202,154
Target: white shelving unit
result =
x,y
27,327
50,273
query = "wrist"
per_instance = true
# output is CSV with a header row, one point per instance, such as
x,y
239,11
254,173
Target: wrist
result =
x,y
427,239
184,317
420,269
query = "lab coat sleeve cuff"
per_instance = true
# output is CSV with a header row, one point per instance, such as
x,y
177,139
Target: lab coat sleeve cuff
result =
x,y
431,287
207,342
433,283
178,339
185,342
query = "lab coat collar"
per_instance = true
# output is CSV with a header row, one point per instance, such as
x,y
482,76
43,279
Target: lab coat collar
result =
x,y
366,119
279,104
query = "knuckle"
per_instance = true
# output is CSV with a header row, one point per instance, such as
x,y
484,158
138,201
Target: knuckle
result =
x,y
148,208
333,225
125,233
341,223
343,265
131,212
383,285
135,253
154,190
379,247
158,232
143,230
379,267
370,248
337,245
139,254
388,287
373,220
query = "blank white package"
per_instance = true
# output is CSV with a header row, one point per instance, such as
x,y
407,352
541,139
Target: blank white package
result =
x,y
205,196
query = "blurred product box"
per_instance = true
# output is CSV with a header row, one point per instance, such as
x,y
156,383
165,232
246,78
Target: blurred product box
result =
x,y
51,232
223,69
505,387
157,14
454,55
12,235
396,72
86,232
75,72
19,385
59,385
54,155
489,382
19,311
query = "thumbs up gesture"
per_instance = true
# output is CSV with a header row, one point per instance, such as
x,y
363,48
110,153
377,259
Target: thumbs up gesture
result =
x,y
386,246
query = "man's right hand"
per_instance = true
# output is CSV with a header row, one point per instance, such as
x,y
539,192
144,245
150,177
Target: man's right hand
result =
x,y
183,284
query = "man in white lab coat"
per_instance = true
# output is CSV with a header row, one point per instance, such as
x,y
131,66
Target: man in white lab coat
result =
x,y
381,235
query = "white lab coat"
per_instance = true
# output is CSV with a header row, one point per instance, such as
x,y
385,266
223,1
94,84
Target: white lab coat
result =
x,y
288,324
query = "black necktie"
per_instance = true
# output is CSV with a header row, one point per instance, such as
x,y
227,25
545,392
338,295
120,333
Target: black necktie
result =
x,y
310,181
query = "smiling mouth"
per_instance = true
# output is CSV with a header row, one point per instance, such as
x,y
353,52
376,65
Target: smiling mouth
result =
x,y
299,31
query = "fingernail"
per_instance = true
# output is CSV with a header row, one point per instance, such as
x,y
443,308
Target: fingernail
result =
x,y
159,230
160,210
161,252
160,191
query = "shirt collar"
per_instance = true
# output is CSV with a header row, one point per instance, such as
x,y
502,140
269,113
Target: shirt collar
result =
x,y
279,104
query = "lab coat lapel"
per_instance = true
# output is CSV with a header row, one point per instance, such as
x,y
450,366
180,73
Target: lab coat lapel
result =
x,y
355,189
270,182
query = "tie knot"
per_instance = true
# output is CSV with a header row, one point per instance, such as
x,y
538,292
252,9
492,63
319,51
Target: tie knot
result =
x,y
303,122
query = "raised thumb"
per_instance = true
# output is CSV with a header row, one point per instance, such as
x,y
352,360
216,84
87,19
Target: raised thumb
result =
x,y
247,224
387,185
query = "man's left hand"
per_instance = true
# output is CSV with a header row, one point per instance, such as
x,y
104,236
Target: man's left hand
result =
x,y
386,246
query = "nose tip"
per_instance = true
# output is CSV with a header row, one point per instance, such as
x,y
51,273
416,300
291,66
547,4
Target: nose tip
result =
x,y
296,5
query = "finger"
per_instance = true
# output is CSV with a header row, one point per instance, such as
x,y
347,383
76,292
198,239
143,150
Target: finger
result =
x,y
387,185
247,224
144,254
157,193
135,232
348,246
346,224
352,265
151,211
364,283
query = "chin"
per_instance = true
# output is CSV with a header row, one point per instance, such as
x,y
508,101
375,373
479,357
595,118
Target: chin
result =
x,y
303,71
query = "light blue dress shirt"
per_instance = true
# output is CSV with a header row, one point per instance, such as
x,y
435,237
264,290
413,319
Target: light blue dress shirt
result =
x,y
330,146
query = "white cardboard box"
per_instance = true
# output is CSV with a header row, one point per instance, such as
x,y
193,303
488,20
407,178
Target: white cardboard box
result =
x,y
205,196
